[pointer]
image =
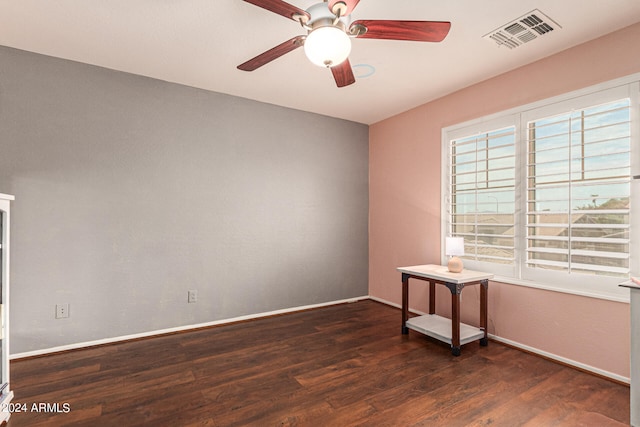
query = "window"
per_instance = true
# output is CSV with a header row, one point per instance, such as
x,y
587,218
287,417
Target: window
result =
x,y
542,194
483,194
578,185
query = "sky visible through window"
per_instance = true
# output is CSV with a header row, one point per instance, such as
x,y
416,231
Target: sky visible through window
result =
x,y
590,147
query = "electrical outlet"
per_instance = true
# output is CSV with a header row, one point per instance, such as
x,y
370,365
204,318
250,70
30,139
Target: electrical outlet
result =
x,y
192,296
62,311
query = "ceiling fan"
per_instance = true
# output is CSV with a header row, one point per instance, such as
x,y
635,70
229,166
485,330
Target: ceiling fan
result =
x,y
329,33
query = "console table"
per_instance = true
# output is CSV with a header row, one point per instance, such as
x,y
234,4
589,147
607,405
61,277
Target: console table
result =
x,y
635,352
451,330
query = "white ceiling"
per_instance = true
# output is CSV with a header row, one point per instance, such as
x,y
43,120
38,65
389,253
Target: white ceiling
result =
x,y
199,43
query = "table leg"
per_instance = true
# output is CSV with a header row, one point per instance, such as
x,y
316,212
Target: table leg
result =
x,y
484,316
432,297
455,322
405,302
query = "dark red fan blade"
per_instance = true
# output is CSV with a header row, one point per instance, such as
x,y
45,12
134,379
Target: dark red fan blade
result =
x,y
421,31
271,54
343,74
280,7
351,4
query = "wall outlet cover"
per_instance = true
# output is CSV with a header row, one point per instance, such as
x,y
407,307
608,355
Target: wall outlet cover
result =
x,y
192,296
62,311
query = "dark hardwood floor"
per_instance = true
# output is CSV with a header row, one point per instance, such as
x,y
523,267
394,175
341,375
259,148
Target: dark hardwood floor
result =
x,y
337,366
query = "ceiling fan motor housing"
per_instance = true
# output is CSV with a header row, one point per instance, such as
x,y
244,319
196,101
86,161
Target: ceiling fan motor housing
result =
x,y
322,16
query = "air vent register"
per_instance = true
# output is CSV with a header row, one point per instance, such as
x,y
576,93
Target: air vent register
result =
x,y
529,27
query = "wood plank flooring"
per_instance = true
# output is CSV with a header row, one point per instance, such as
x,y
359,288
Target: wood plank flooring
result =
x,y
345,365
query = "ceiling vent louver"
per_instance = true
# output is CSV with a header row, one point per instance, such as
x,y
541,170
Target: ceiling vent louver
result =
x,y
523,30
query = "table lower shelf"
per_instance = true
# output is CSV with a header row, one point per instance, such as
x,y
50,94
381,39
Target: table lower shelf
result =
x,y
439,327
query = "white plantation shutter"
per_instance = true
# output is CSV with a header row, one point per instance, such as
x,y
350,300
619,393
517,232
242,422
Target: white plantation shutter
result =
x,y
482,208
578,188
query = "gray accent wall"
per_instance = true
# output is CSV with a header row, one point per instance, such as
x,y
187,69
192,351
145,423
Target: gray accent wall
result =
x,y
131,191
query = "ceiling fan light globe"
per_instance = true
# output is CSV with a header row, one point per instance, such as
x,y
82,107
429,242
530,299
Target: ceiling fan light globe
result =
x,y
327,46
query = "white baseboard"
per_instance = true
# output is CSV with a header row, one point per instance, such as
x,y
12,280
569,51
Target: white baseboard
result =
x,y
384,301
533,350
562,360
112,340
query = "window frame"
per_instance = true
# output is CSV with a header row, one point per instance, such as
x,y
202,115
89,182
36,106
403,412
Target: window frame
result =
x,y
519,274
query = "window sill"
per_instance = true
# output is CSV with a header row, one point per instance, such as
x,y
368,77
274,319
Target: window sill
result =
x,y
617,294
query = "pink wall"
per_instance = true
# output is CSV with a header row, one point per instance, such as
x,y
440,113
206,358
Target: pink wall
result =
x,y
405,207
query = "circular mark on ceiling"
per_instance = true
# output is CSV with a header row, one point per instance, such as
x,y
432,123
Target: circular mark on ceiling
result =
x,y
362,71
